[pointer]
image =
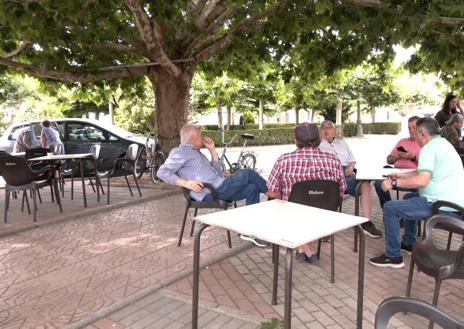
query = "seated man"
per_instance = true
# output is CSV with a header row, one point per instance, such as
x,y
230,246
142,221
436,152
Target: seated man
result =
x,y
187,167
405,154
307,162
439,176
452,131
340,148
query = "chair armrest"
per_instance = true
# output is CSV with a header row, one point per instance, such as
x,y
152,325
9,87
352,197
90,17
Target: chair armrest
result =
x,y
460,256
213,191
442,203
43,169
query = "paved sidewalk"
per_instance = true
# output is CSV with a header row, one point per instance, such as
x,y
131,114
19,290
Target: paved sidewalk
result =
x,y
241,285
120,267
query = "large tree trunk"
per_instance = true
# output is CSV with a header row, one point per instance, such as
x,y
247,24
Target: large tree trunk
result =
x,y
172,104
219,113
297,115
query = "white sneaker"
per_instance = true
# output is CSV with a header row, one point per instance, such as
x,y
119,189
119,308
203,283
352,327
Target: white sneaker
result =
x,y
257,242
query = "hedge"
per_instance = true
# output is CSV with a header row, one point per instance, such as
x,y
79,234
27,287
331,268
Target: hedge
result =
x,y
284,134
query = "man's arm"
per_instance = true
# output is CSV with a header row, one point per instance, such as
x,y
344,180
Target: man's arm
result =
x,y
419,180
274,195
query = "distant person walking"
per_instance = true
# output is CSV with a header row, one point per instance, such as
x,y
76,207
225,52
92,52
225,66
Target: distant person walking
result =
x,y
450,107
50,136
24,141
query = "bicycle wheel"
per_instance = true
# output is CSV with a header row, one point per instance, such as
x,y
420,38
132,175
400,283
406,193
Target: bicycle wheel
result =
x,y
140,164
247,160
158,161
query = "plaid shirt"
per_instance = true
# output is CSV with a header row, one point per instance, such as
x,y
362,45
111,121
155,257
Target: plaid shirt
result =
x,y
304,164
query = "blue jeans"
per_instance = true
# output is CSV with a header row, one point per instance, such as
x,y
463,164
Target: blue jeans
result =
x,y
412,208
244,184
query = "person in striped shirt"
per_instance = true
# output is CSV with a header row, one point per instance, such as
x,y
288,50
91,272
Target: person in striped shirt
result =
x,y
307,162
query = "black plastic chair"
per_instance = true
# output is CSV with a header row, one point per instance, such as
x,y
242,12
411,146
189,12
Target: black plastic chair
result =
x,y
215,204
394,305
90,166
438,263
436,210
322,194
123,167
20,177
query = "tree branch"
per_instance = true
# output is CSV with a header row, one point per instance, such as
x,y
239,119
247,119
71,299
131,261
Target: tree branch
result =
x,y
209,13
376,4
151,36
22,45
213,45
85,77
123,48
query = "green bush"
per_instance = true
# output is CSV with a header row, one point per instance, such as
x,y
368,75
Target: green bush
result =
x,y
283,134
378,128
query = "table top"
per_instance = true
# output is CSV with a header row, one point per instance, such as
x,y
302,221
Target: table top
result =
x,y
63,157
378,173
280,222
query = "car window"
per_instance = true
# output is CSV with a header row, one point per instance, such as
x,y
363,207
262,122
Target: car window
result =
x,y
37,128
85,132
15,132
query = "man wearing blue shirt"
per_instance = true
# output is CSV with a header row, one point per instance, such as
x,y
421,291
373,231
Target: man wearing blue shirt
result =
x,y
187,167
439,169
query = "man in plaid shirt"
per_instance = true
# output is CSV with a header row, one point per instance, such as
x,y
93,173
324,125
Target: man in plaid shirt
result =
x,y
307,162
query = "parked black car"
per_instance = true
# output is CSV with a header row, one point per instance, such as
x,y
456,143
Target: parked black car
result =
x,y
78,135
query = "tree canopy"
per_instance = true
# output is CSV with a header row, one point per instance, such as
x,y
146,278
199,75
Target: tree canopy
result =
x,y
81,42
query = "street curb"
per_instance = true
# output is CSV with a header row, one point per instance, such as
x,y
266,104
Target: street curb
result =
x,y
89,212
161,284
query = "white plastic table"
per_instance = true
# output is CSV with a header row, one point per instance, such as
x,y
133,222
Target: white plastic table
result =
x,y
80,157
285,224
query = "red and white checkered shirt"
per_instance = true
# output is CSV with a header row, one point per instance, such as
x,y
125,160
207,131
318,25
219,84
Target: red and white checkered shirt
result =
x,y
307,163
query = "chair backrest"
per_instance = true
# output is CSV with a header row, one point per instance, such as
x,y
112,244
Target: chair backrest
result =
x,y
391,306
132,152
36,152
57,148
16,171
324,194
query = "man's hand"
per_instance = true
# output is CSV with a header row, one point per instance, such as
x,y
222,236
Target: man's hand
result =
x,y
194,185
349,170
386,185
407,155
208,143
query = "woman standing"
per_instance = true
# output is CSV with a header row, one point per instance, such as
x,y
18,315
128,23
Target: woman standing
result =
x,y
50,136
450,107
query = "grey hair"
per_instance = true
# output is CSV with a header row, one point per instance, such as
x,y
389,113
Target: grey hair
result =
x,y
456,117
326,122
428,125
186,133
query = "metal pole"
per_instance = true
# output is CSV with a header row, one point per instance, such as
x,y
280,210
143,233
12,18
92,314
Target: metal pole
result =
x,y
359,318
288,290
275,283
110,108
196,274
356,213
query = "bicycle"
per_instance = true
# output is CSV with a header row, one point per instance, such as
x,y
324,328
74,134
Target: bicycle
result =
x,y
246,159
154,156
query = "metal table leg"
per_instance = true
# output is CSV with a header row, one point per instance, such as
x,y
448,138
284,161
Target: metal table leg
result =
x,y
275,283
196,274
359,316
356,213
288,290
81,165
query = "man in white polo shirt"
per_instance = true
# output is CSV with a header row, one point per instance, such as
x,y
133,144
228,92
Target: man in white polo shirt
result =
x,y
439,176
338,147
